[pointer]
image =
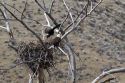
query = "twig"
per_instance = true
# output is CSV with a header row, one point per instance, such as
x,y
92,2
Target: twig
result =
x,y
108,80
2,27
50,16
64,21
52,3
24,10
48,23
23,14
8,19
64,52
69,12
40,5
44,4
12,66
4,14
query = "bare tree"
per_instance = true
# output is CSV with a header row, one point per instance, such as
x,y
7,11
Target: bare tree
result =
x,y
60,40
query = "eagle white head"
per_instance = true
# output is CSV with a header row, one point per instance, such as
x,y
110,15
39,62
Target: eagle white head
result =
x,y
59,35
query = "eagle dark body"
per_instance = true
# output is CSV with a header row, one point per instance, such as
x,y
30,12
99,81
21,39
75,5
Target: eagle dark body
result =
x,y
56,41
53,41
50,31
34,55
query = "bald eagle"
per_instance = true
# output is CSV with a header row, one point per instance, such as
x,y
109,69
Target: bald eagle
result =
x,y
50,31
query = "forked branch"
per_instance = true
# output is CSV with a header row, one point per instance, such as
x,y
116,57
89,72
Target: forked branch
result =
x,y
71,16
81,19
12,41
47,12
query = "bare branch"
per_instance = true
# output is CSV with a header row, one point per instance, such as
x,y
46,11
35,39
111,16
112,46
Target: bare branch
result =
x,y
69,12
76,17
63,51
72,62
64,21
47,19
25,26
44,5
24,10
81,19
105,73
91,5
3,27
52,3
8,19
49,15
23,15
12,41
4,14
40,6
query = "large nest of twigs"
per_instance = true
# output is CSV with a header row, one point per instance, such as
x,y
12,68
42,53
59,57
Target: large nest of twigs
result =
x,y
35,56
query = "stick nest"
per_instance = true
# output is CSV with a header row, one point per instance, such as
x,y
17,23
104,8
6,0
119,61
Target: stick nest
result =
x,y
35,56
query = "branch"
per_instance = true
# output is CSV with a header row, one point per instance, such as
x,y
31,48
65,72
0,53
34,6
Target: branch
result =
x,y
72,63
3,27
24,10
69,12
25,26
12,40
105,73
23,14
49,15
40,6
81,19
52,3
4,14
76,17
47,19
64,52
44,5
64,21
8,19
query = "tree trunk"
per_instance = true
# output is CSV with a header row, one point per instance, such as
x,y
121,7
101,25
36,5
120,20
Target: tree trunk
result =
x,y
41,76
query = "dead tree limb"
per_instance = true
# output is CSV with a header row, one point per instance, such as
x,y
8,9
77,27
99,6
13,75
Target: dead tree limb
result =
x,y
24,24
72,63
46,11
105,73
51,6
81,19
25,6
23,16
71,16
12,40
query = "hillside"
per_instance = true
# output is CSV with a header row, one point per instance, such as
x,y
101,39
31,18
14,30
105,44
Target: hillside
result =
x,y
99,41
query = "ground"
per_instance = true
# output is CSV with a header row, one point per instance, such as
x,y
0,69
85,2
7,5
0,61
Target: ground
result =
x,y
99,41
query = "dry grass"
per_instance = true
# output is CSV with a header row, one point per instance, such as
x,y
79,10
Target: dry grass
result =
x,y
99,42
